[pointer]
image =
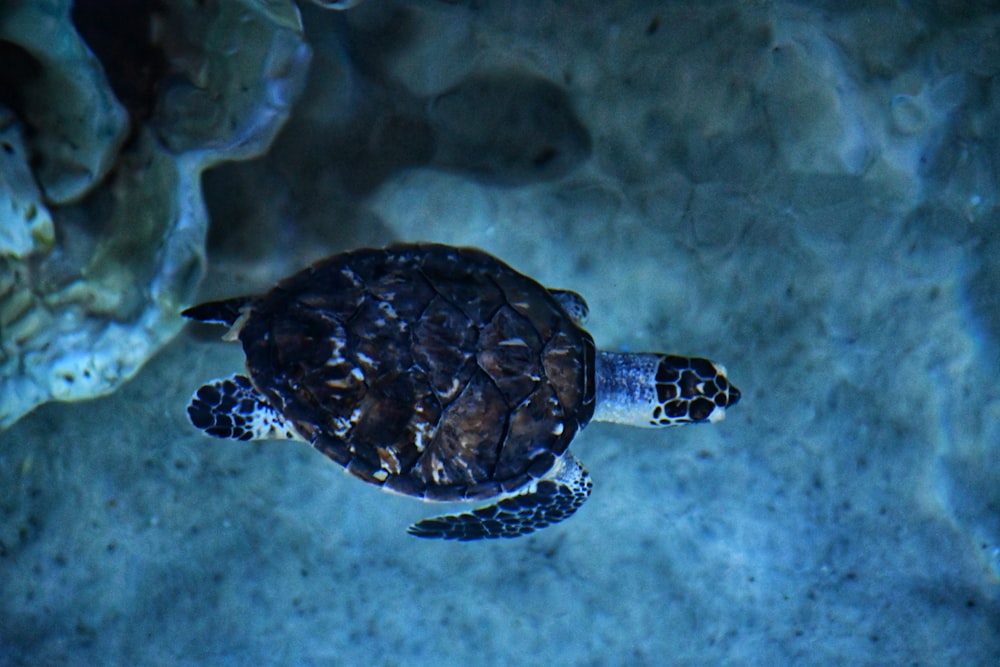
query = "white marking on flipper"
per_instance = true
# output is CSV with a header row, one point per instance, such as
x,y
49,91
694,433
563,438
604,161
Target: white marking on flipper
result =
x,y
231,408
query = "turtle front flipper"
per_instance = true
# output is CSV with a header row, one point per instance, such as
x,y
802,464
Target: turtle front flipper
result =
x,y
231,408
542,503
574,305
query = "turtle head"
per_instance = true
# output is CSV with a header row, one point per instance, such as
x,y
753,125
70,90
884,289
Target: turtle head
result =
x,y
691,390
661,390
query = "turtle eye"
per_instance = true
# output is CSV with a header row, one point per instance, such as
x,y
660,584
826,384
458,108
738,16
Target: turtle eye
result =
x,y
701,409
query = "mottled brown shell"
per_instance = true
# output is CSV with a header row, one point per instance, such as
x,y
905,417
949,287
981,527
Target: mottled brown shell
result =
x,y
430,370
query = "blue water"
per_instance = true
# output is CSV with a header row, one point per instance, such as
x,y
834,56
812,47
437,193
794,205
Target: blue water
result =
x,y
805,192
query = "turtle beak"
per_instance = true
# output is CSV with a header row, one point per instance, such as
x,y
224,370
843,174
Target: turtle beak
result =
x,y
734,396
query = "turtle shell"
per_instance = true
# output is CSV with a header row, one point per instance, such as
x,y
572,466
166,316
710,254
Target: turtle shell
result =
x,y
432,371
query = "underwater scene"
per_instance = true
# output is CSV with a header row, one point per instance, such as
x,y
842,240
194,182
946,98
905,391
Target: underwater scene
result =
x,y
776,224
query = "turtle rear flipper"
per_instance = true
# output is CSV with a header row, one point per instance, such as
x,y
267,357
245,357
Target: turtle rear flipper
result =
x,y
231,408
543,503
225,312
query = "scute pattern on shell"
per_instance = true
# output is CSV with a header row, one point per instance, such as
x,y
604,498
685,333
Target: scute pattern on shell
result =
x,y
431,370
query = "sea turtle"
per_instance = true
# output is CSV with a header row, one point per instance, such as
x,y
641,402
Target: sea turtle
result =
x,y
442,373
